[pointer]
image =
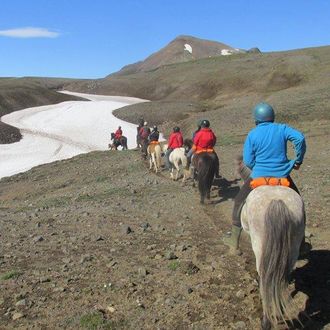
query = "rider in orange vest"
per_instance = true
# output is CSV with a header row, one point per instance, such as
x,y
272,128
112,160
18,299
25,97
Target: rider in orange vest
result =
x,y
204,141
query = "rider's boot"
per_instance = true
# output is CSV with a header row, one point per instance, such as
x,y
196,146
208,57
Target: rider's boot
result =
x,y
232,241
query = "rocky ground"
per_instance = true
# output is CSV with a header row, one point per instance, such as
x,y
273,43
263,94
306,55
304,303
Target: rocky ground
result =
x,y
99,242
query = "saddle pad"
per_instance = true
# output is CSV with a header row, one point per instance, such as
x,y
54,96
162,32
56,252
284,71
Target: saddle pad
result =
x,y
257,182
208,150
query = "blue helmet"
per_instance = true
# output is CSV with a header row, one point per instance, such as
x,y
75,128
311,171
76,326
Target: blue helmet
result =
x,y
263,112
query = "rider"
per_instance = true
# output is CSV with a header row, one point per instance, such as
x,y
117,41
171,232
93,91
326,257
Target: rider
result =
x,y
118,133
265,153
175,141
141,122
204,141
144,134
154,135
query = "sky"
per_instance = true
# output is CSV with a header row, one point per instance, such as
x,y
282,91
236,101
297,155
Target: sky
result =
x,y
91,39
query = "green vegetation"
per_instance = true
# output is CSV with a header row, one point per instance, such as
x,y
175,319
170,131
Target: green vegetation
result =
x,y
96,321
174,265
11,275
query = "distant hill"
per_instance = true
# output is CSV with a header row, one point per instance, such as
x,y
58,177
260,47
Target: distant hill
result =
x,y
181,49
20,93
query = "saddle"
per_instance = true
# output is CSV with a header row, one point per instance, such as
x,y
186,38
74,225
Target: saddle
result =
x,y
263,181
154,142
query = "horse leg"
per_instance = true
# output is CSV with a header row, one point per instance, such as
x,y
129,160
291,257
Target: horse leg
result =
x,y
265,323
155,162
177,167
150,163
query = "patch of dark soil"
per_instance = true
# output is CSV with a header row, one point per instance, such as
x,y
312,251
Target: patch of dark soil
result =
x,y
9,134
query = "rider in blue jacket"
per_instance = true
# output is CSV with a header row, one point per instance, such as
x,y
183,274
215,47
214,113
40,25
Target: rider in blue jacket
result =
x,y
265,153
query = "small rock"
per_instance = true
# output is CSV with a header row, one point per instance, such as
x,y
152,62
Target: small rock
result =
x,y
189,268
142,272
21,302
158,256
86,258
145,226
60,289
240,294
240,325
151,247
44,279
99,238
17,316
126,229
190,290
38,239
170,255
111,309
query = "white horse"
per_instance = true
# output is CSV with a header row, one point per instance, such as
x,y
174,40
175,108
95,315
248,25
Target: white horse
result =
x,y
274,216
177,158
155,153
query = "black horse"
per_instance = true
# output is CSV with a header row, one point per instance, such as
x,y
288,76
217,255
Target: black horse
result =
x,y
118,142
205,167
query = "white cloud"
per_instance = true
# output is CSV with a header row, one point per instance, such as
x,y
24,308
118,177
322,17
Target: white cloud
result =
x,y
29,32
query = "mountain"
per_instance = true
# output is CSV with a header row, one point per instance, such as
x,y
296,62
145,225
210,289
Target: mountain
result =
x,y
181,49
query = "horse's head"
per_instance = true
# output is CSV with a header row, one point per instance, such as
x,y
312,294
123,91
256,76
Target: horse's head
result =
x,y
187,144
241,170
112,136
164,148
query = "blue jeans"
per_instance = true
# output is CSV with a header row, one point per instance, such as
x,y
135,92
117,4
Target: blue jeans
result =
x,y
168,165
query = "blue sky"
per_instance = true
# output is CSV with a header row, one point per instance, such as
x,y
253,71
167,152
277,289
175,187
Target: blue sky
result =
x,y
90,39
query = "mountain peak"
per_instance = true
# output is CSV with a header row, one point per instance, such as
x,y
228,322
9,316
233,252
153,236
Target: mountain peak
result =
x,y
181,49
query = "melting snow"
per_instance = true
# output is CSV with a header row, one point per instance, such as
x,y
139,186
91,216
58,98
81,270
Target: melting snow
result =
x,y
63,130
188,48
226,52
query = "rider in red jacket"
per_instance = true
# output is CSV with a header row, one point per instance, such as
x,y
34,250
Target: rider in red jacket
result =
x,y
204,141
118,133
175,141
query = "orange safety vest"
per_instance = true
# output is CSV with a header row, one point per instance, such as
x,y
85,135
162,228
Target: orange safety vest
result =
x,y
262,181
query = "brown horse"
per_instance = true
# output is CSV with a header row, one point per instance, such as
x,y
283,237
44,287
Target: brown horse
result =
x,y
205,166
116,143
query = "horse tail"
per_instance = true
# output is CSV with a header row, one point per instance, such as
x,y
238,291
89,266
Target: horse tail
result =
x,y
275,264
206,171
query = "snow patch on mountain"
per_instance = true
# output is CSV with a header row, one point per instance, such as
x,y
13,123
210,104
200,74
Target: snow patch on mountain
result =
x,y
188,48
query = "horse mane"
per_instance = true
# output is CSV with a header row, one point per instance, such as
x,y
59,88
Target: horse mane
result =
x,y
188,143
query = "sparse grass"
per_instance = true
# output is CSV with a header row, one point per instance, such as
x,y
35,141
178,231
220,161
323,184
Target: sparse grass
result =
x,y
95,321
118,191
101,179
174,265
55,202
92,321
11,275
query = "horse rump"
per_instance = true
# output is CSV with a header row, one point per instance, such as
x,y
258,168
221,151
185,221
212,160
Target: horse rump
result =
x,y
206,168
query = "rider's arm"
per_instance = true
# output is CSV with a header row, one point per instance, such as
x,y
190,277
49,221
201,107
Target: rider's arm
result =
x,y
298,140
248,153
